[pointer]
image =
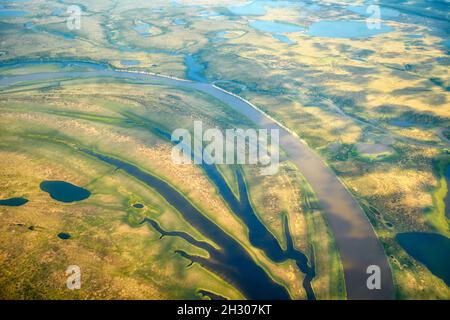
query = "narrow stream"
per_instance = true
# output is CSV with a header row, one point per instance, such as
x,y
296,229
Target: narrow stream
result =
x,y
231,261
260,237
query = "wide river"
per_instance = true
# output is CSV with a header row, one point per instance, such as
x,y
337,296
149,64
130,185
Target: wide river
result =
x,y
356,240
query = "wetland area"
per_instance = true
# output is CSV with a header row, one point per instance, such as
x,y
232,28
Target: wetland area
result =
x,y
88,179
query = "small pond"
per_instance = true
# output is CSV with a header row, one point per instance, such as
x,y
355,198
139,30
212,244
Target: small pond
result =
x,y
13,202
63,236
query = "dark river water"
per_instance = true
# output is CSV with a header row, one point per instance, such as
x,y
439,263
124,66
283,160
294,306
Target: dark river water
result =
x,y
356,240
260,236
431,249
231,261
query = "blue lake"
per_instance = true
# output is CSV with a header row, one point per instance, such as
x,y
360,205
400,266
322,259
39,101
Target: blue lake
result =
x,y
401,123
64,191
11,13
63,236
431,249
345,29
13,202
275,27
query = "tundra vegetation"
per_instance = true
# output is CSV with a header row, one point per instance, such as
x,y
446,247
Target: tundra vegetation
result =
x,y
376,109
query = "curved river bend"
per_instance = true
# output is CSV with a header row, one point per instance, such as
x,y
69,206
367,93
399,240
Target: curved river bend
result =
x,y
356,240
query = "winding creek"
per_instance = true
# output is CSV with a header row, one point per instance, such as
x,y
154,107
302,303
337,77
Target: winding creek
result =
x,y
231,260
357,242
260,237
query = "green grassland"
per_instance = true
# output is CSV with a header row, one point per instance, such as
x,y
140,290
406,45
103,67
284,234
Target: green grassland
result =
x,y
436,214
